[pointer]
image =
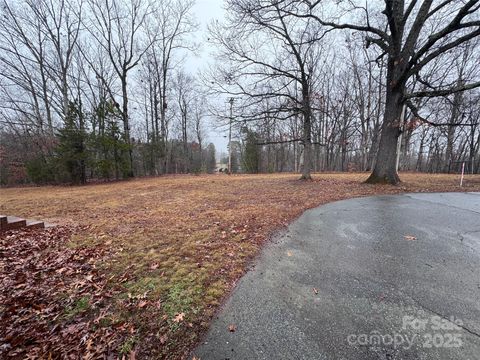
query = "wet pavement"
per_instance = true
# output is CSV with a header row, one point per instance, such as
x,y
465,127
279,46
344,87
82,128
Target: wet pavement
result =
x,y
384,277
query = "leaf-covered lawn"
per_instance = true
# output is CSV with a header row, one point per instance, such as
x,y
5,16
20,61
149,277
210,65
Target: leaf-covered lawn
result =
x,y
138,268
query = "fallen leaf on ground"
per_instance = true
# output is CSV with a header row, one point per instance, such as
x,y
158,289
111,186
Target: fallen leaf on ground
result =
x,y
163,339
179,317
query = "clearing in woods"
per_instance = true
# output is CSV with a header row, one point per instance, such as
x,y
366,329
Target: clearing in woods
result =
x,y
138,268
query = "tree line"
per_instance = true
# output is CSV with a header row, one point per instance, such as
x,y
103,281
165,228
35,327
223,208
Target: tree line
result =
x,y
338,85
99,89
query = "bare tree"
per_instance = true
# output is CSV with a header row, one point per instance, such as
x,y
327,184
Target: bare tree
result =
x,y
271,55
184,88
61,23
117,28
25,44
38,42
171,27
411,35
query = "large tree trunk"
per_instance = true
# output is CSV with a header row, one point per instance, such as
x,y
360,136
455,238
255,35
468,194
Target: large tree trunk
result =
x,y
385,171
126,125
307,159
307,130
307,140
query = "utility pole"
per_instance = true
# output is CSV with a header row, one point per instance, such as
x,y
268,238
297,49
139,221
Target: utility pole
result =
x,y
230,138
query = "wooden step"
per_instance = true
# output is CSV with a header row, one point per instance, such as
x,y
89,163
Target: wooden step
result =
x,y
34,224
47,225
3,222
14,222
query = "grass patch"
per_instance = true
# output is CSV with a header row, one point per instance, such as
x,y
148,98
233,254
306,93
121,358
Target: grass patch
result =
x,y
128,345
182,298
143,286
79,306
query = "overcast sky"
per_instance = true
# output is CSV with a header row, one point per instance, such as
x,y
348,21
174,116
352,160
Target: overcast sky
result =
x,y
205,11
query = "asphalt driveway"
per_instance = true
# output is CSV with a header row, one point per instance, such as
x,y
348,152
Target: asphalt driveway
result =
x,y
384,277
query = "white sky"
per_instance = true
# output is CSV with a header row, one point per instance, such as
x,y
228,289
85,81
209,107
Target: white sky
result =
x,y
205,11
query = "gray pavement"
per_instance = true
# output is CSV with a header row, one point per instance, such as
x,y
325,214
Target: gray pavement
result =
x,y
348,281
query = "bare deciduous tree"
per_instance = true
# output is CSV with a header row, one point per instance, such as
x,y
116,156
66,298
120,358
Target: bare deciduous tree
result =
x,y
271,55
411,35
117,28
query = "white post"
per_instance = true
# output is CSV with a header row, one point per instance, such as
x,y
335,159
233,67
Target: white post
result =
x,y
230,139
463,172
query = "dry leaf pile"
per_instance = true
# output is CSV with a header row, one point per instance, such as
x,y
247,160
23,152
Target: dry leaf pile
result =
x,y
53,297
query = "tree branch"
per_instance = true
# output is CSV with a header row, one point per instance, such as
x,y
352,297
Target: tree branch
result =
x,y
417,115
442,92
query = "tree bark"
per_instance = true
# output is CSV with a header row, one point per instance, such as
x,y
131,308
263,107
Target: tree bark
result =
x,y
307,151
385,171
126,125
307,132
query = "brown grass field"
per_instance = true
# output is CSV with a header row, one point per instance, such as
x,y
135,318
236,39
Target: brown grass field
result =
x,y
137,269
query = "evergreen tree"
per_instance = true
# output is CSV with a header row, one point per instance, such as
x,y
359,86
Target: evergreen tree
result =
x,y
250,160
109,143
211,162
71,150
